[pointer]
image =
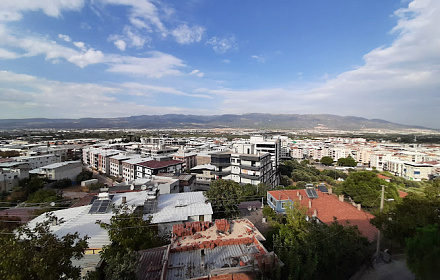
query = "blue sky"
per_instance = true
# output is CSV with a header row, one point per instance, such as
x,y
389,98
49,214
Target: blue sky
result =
x,y
112,58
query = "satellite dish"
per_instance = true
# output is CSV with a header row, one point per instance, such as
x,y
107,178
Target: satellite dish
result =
x,y
132,187
143,187
52,204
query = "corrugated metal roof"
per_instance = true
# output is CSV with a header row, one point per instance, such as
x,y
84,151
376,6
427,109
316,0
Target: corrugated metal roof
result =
x,y
151,263
188,204
190,264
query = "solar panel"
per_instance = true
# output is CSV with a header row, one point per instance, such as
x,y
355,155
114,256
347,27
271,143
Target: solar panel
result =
x,y
311,193
95,206
104,206
323,189
100,206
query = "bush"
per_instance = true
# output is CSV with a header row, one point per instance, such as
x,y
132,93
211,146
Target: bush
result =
x,y
61,184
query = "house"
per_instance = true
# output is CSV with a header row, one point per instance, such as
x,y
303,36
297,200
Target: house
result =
x,y
323,207
169,209
209,250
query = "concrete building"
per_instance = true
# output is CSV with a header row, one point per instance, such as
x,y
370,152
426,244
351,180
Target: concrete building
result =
x,y
38,161
154,167
116,168
189,159
416,171
61,170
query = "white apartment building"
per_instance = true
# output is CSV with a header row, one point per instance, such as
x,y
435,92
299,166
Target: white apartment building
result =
x,y
38,161
61,170
129,168
417,171
116,169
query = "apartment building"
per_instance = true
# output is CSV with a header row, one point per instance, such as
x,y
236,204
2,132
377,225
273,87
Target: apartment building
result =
x,y
153,167
417,171
38,161
116,168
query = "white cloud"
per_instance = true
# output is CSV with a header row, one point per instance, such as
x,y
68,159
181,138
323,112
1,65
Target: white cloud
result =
x,y
5,54
10,10
120,44
64,37
80,45
26,96
222,45
185,35
259,58
197,73
156,66
227,61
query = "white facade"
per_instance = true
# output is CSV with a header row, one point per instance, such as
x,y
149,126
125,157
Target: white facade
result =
x,y
62,170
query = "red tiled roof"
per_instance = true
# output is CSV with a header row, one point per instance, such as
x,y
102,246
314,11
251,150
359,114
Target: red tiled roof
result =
x,y
328,206
154,164
402,194
383,177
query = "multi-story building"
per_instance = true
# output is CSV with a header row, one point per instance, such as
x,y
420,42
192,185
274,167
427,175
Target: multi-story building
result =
x,y
116,169
38,161
416,171
153,167
129,168
189,159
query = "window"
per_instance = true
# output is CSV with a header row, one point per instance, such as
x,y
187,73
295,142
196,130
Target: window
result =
x,y
283,205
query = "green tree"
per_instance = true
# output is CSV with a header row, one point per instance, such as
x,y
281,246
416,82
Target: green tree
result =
x,y
61,184
423,252
39,254
364,187
128,233
43,195
401,221
224,197
312,250
83,176
326,161
348,161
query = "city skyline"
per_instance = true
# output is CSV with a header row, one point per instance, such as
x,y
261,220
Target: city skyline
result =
x,y
117,58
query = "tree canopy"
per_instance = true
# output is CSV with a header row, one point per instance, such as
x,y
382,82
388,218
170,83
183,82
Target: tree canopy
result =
x,y
39,254
224,197
364,187
348,161
312,250
128,233
326,160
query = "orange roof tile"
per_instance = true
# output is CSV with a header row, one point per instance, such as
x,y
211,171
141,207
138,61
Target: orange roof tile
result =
x,y
328,206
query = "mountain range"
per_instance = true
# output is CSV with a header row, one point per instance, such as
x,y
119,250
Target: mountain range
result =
x,y
251,121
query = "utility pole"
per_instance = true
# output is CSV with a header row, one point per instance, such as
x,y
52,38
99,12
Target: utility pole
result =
x,y
378,233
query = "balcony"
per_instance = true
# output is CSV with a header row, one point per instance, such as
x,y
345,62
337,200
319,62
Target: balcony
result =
x,y
221,173
248,167
221,164
250,177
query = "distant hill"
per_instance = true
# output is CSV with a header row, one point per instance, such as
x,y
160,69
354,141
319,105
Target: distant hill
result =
x,y
256,121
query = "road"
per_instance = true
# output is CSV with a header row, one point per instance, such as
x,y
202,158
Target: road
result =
x,y
101,178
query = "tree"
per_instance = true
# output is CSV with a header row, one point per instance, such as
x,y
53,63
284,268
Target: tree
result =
x,y
39,254
61,184
128,233
83,176
423,252
401,221
326,161
348,161
43,195
364,187
224,197
312,250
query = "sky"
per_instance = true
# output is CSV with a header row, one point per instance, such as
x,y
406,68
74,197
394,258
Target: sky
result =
x,y
378,59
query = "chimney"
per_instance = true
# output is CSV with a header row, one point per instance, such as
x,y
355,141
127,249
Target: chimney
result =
x,y
297,193
359,207
341,198
315,212
310,204
300,197
124,199
330,190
